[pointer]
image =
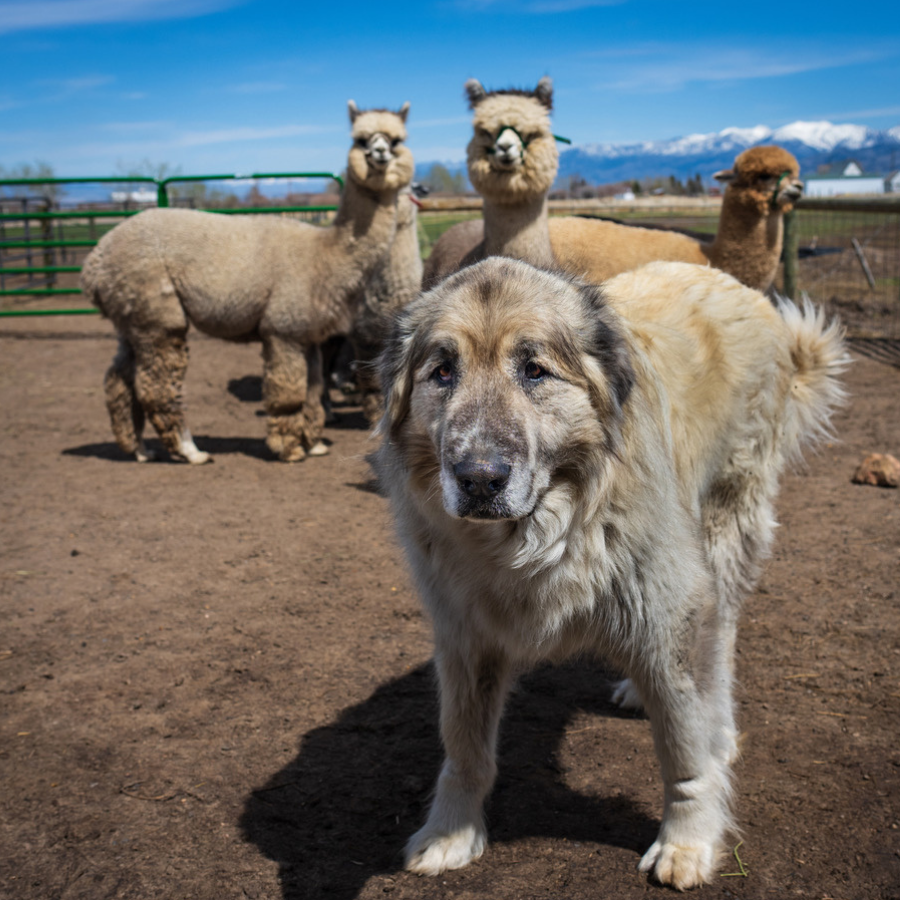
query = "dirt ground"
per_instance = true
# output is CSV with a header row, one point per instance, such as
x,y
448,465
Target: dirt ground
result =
x,y
215,681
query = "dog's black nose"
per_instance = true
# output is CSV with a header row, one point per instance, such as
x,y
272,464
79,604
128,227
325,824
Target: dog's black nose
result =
x,y
481,478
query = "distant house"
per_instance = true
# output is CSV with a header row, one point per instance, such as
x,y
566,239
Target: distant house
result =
x,y
139,196
892,183
843,178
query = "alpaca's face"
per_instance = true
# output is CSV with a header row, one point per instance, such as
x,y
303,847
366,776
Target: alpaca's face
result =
x,y
764,178
378,158
512,154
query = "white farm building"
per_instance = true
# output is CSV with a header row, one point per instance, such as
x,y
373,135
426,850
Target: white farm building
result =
x,y
843,178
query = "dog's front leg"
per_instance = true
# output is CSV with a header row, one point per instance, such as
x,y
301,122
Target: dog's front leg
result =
x,y
473,686
686,723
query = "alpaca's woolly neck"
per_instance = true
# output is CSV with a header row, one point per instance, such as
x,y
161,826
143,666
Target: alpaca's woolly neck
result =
x,y
518,230
748,242
363,229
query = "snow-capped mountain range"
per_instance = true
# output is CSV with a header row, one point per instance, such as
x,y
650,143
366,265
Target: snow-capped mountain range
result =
x,y
813,143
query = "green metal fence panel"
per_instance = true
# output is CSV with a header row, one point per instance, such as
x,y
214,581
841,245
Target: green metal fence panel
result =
x,y
47,246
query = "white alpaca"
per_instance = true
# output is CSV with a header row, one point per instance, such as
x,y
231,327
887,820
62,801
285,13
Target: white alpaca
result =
x,y
289,284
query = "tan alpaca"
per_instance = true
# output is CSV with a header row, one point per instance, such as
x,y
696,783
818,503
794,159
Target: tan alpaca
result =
x,y
512,161
393,284
289,284
761,187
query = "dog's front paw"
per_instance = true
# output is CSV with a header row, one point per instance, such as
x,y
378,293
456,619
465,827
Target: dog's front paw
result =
x,y
430,852
679,865
626,696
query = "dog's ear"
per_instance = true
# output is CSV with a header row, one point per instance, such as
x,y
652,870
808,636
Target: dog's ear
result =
x,y
607,345
395,369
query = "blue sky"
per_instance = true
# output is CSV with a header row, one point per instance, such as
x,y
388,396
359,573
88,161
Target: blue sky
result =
x,y
96,86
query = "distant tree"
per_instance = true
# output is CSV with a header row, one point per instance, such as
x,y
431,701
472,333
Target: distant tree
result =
x,y
53,192
674,186
440,179
636,188
146,168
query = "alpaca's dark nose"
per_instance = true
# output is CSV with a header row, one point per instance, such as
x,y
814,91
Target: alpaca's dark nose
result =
x,y
481,478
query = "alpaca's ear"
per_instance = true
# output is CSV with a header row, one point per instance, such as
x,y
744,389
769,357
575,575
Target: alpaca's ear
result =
x,y
404,112
544,91
475,92
724,175
353,110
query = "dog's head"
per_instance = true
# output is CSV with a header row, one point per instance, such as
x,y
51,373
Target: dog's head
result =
x,y
500,383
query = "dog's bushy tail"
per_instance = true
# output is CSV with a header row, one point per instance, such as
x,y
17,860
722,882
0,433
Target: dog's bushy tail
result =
x,y
820,356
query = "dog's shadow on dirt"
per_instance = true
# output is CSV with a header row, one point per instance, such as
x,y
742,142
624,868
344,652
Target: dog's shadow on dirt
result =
x,y
341,811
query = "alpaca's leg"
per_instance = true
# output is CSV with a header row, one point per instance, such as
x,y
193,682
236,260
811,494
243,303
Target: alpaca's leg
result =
x,y
125,412
315,408
473,686
285,388
161,359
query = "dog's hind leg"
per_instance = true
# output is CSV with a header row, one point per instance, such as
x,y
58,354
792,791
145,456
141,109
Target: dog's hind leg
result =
x,y
473,684
125,411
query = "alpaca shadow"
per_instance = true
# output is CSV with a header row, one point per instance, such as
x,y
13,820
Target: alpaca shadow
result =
x,y
110,451
341,811
247,389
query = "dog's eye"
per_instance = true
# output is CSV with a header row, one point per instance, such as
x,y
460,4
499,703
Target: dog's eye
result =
x,y
535,372
443,374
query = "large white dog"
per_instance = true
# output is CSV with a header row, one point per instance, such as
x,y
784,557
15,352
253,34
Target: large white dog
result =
x,y
581,469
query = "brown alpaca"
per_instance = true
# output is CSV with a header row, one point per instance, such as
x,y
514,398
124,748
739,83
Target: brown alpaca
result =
x,y
762,185
512,161
289,284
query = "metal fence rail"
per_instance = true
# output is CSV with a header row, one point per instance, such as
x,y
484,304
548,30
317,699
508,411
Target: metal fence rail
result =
x,y
39,241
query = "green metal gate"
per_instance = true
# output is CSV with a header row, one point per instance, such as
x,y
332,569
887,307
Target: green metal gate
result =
x,y
42,239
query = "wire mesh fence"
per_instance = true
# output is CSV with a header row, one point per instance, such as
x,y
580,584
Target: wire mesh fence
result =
x,y
848,260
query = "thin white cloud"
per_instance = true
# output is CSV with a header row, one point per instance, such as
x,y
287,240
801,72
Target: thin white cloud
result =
x,y
660,68
436,123
258,87
532,7
862,113
130,127
230,135
21,15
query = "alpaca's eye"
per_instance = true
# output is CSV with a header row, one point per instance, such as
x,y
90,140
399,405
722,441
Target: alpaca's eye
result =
x,y
361,142
396,142
535,372
443,374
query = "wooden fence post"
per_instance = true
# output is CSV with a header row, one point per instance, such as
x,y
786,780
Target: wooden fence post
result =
x,y
791,245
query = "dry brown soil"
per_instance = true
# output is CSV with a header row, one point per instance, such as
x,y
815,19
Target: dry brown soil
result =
x,y
215,681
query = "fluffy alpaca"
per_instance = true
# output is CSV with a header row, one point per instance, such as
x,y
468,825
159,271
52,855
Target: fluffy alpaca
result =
x,y
761,187
578,469
512,161
288,284
393,284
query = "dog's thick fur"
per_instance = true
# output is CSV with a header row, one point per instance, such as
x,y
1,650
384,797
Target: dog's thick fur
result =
x,y
581,469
